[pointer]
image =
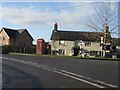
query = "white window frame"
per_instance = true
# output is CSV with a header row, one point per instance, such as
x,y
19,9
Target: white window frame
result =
x,y
62,42
89,43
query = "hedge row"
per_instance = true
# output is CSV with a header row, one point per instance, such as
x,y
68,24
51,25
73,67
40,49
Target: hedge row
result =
x,y
7,49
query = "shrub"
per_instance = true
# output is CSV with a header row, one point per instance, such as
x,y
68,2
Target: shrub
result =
x,y
7,49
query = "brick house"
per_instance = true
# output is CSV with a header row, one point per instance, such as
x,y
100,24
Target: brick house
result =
x,y
63,42
15,38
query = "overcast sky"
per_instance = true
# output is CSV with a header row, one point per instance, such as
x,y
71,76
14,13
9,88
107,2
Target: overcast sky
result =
x,y
38,17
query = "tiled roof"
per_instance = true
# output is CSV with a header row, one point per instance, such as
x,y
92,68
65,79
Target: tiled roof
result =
x,y
11,33
115,41
14,33
76,35
21,30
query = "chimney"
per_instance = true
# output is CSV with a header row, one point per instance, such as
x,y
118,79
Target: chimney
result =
x,y
55,27
107,35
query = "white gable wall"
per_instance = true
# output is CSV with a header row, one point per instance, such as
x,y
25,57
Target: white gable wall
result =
x,y
4,38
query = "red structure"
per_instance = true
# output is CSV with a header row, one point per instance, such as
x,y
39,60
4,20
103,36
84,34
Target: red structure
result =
x,y
43,47
40,46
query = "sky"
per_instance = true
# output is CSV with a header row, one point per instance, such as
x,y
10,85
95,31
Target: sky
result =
x,y
39,17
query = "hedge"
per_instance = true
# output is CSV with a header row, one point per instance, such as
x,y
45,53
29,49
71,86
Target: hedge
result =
x,y
29,50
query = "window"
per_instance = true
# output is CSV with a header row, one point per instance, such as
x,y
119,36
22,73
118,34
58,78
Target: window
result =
x,y
20,44
88,43
24,44
75,43
2,38
61,42
61,51
93,53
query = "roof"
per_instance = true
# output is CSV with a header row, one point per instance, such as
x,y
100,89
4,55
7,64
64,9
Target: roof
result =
x,y
21,30
11,33
76,35
14,33
115,41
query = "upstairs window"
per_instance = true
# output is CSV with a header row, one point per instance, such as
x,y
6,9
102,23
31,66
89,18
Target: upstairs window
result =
x,y
23,44
88,43
2,38
62,42
20,44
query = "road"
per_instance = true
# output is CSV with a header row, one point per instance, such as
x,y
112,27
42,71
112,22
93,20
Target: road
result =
x,y
19,71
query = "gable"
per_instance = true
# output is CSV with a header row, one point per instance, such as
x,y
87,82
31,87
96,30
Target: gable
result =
x,y
25,34
11,33
4,34
4,38
15,33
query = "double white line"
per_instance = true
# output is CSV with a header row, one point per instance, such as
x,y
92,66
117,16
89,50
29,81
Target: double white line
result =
x,y
75,76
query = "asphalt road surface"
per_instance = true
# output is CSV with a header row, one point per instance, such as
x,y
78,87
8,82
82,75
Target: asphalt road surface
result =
x,y
20,71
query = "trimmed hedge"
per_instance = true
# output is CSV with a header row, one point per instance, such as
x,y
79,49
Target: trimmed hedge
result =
x,y
8,49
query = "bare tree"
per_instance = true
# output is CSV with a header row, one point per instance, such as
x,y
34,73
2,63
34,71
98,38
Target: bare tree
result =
x,y
105,18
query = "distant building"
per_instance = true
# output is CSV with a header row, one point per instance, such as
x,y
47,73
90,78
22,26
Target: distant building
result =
x,y
76,42
17,40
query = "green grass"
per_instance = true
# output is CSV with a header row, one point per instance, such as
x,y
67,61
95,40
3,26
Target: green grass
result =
x,y
75,57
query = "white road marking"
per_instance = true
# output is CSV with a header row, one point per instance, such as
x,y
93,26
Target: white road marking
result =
x,y
65,73
0,81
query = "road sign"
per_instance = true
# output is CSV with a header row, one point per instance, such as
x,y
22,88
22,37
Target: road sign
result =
x,y
102,39
109,47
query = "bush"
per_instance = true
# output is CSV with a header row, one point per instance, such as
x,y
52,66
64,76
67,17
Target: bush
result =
x,y
31,50
118,55
7,49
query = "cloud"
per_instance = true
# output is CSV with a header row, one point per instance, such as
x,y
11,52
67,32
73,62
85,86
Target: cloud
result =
x,y
22,16
71,18
77,17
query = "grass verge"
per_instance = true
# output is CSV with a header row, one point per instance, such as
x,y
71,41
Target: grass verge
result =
x,y
75,57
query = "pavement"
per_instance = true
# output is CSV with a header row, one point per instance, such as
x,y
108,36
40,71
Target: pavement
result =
x,y
20,71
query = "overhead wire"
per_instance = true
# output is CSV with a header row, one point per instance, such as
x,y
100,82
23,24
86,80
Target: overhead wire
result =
x,y
68,7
